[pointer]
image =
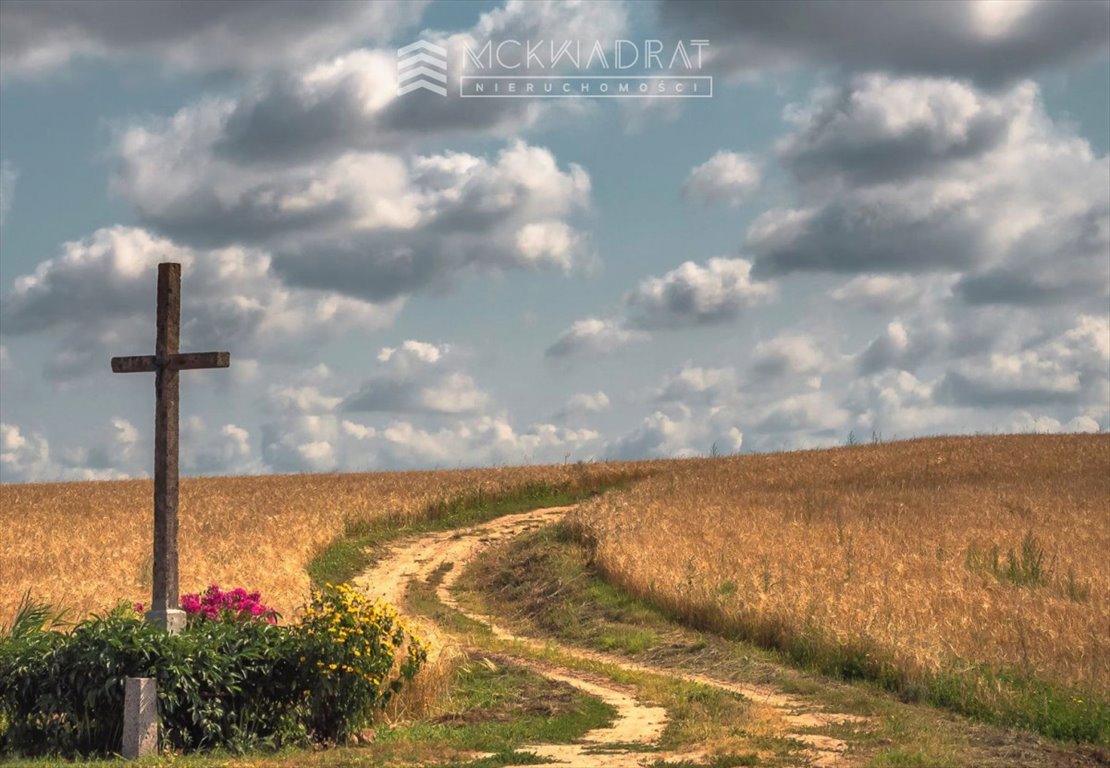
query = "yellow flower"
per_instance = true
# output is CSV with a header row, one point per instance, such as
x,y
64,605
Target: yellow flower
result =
x,y
332,666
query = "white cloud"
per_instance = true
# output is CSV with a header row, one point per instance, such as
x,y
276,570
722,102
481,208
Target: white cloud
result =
x,y
593,337
97,295
813,412
886,293
934,176
369,225
693,294
303,443
224,451
418,377
678,432
727,177
1023,421
696,385
24,457
788,354
484,440
582,404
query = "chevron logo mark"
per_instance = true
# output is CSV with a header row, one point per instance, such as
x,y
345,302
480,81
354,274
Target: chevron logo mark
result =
x,y
421,66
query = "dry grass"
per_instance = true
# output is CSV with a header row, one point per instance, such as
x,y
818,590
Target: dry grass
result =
x,y
901,550
86,545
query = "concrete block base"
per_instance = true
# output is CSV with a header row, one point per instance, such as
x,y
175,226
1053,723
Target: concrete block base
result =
x,y
140,718
170,619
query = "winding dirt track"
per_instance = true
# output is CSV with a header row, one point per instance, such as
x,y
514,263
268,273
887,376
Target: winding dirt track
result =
x,y
637,724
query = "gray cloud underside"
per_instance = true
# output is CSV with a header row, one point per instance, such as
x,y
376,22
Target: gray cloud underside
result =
x,y
958,39
244,36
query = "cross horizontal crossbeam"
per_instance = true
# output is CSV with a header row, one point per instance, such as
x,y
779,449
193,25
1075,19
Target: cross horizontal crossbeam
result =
x,y
183,361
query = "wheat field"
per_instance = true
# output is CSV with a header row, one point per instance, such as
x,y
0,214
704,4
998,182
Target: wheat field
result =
x,y
903,548
85,545
939,554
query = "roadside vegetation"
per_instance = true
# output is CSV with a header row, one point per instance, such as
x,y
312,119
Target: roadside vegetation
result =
x,y
546,585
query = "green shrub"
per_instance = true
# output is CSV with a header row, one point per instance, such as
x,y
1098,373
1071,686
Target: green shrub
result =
x,y
232,683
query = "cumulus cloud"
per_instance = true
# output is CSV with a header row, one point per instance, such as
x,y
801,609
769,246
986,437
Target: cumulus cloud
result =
x,y
885,293
307,392
96,295
1019,215
26,456
902,346
370,225
697,385
688,296
483,440
814,413
593,337
301,443
227,450
582,404
788,354
879,129
990,42
1070,368
695,294
244,36
676,432
1024,421
351,102
727,177
418,377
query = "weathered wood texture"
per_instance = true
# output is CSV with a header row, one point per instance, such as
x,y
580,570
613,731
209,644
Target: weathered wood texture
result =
x,y
165,364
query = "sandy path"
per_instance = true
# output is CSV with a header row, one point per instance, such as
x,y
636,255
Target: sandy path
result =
x,y
636,723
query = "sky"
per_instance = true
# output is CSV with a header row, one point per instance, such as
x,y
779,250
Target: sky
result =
x,y
886,221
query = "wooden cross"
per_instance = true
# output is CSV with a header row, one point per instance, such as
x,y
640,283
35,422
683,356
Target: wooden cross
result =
x,y
165,363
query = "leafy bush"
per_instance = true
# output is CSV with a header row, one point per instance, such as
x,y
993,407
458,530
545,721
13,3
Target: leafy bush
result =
x,y
350,646
235,682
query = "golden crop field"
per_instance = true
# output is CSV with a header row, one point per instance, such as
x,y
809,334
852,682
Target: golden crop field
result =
x,y
85,545
938,554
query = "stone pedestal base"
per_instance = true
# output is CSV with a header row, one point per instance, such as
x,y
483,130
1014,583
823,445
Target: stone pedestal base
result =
x,y
171,619
140,718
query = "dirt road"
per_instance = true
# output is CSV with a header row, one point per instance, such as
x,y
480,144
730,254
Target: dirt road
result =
x,y
638,724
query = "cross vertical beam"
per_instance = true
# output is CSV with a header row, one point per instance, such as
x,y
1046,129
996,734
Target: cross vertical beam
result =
x,y
165,363
166,423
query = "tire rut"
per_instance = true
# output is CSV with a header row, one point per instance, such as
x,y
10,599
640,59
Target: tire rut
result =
x,y
638,725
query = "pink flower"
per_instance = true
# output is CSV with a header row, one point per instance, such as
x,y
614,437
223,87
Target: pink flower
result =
x,y
233,605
